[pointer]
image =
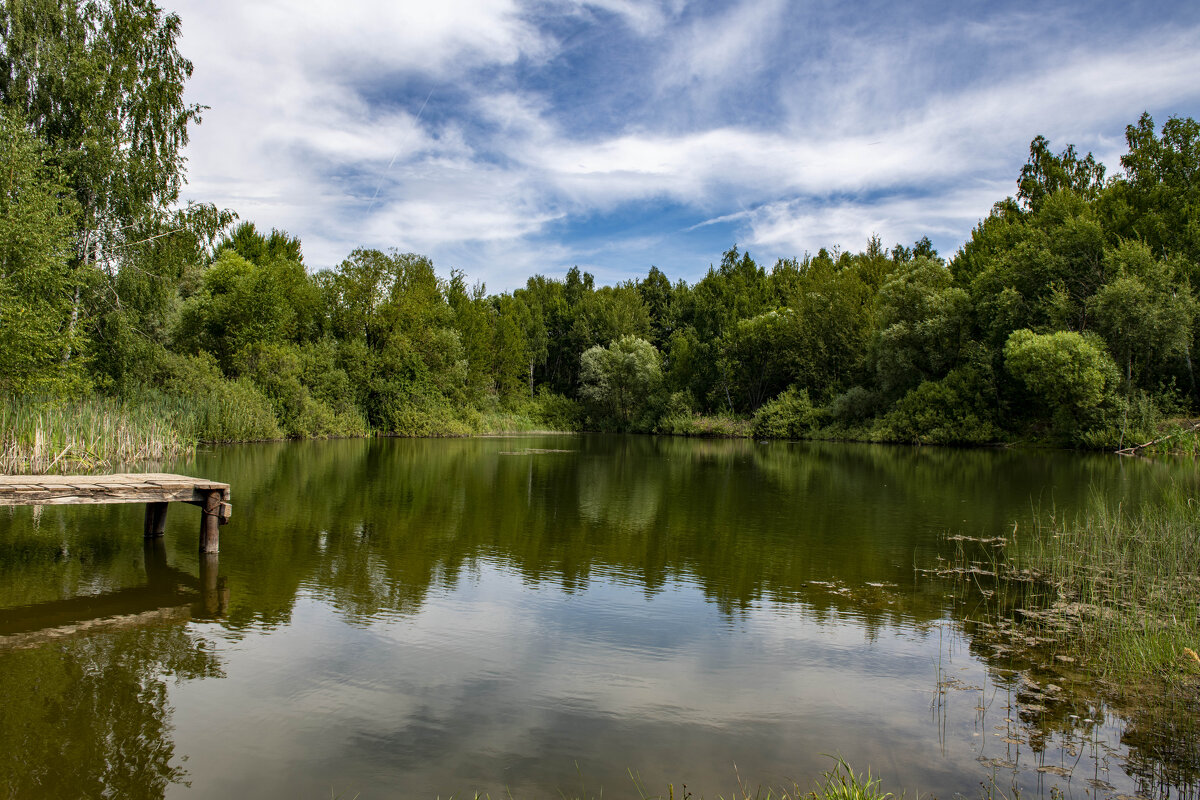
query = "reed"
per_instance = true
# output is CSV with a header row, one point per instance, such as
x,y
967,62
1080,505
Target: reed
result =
x,y
42,436
1113,590
1126,584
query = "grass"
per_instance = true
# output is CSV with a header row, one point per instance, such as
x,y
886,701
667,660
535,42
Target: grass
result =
x,y
496,423
1126,584
1116,591
40,436
839,783
715,426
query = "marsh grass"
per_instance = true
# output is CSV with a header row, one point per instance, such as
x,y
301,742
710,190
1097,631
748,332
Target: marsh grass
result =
x,y
1126,584
705,426
1114,590
498,423
43,436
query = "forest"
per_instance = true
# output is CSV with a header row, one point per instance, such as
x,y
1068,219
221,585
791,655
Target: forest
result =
x,y
1068,318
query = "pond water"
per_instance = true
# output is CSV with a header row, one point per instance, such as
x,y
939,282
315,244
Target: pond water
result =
x,y
582,615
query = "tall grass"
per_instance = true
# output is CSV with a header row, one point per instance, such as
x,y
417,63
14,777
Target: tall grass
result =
x,y
41,436
1117,590
1127,584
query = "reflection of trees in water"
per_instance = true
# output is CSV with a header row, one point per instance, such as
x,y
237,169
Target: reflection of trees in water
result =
x,y
87,716
373,524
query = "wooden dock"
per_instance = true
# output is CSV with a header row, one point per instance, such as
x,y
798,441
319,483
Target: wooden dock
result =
x,y
155,489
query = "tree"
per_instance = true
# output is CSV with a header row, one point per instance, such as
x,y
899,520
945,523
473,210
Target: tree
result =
x,y
621,380
1144,312
1071,373
1045,173
36,219
101,83
923,322
1159,199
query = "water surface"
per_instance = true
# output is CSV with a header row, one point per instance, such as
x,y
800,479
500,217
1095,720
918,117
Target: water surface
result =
x,y
575,614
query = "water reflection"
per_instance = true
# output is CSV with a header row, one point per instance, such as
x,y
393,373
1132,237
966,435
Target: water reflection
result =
x,y
429,617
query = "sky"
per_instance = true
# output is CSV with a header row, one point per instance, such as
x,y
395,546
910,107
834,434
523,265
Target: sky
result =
x,y
507,138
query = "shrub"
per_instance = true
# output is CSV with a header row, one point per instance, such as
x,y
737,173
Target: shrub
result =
x,y
950,411
791,415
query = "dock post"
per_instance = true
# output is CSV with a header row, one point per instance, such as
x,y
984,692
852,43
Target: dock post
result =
x,y
156,519
210,522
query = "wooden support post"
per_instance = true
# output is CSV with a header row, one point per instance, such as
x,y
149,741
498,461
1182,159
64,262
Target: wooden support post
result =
x,y
210,522
156,519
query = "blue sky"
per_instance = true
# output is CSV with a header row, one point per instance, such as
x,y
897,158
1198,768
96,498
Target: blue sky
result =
x,y
507,138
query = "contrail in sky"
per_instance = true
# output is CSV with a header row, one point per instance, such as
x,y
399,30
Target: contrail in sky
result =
x,y
395,154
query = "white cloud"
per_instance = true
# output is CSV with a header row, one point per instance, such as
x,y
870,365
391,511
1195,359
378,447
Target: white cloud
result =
x,y
729,47
298,138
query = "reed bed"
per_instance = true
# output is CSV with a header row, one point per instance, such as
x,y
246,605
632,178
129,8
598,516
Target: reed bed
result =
x,y
1114,590
1126,584
46,436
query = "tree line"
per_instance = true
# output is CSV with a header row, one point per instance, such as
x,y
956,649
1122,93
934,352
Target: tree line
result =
x,y
1069,316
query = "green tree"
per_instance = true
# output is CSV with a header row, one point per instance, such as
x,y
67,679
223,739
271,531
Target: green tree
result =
x,y
923,325
1072,374
1045,173
1145,313
243,304
36,221
621,381
101,83
1158,201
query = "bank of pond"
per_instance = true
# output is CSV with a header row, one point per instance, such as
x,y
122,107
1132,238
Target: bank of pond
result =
x,y
595,615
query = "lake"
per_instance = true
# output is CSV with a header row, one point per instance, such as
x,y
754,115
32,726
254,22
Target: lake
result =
x,y
583,615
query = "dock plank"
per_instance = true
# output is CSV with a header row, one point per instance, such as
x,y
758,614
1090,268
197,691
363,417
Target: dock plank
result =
x,y
151,488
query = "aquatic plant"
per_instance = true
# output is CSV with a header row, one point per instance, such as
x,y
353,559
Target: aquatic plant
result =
x,y
1112,589
40,436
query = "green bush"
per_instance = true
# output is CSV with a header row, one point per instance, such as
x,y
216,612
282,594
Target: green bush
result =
x,y
1070,374
855,406
218,409
950,411
556,412
281,372
791,415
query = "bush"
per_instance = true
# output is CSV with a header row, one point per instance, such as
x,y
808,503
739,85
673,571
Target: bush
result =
x,y
791,415
217,409
1070,374
279,371
855,406
556,412
950,411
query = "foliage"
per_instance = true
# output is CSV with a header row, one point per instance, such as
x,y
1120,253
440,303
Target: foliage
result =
x,y
1069,314
791,415
953,410
1070,374
218,410
46,435
620,382
36,220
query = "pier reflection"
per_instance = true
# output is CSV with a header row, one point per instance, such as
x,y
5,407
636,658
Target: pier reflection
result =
x,y
85,710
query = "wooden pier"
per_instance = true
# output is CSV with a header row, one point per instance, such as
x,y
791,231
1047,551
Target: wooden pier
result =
x,y
155,489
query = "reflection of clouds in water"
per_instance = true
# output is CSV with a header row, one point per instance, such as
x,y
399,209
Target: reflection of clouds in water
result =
x,y
613,492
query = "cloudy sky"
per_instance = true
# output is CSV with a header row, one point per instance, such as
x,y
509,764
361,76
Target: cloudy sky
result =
x,y
513,137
